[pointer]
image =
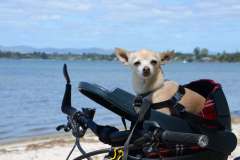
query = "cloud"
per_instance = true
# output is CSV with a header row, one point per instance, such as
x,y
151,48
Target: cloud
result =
x,y
114,20
120,11
46,17
69,5
28,10
216,9
154,10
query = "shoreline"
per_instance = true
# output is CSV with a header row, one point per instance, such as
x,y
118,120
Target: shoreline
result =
x,y
49,136
113,60
235,121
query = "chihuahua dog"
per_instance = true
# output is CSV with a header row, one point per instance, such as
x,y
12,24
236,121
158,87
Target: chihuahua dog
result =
x,y
148,77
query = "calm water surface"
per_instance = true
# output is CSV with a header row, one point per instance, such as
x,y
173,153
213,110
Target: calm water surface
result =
x,y
31,90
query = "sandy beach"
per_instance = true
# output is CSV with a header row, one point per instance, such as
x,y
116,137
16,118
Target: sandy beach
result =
x,y
57,147
54,147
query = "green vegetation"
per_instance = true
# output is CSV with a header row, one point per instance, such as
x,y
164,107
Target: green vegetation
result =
x,y
198,55
202,55
56,56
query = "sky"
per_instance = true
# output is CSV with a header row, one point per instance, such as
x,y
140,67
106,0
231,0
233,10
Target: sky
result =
x,y
132,24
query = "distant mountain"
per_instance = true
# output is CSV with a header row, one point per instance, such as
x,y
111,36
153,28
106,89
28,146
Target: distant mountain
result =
x,y
27,49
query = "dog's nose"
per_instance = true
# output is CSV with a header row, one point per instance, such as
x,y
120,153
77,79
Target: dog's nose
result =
x,y
146,69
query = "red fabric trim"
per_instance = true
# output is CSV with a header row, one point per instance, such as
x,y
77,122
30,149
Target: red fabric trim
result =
x,y
168,152
209,112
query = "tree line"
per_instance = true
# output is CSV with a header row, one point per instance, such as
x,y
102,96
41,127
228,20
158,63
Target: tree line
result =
x,y
198,54
202,55
56,56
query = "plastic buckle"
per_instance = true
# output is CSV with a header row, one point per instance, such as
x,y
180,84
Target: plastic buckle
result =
x,y
178,96
138,101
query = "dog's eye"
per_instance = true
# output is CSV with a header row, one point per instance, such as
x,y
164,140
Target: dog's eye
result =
x,y
153,62
137,63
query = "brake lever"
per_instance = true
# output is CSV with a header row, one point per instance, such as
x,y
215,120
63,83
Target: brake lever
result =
x,y
60,127
66,128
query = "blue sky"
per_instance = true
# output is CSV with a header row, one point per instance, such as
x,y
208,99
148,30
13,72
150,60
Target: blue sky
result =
x,y
132,24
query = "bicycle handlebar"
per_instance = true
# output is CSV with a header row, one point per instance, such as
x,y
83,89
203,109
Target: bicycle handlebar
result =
x,y
66,102
185,138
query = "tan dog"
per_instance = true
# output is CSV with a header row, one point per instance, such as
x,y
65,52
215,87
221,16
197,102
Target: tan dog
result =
x,y
148,77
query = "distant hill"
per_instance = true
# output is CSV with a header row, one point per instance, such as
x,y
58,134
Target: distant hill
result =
x,y
28,49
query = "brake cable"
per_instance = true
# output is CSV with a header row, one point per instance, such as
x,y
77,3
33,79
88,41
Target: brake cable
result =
x,y
70,153
145,105
93,153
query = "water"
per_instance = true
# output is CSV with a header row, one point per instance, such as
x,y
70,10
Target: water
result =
x,y
31,90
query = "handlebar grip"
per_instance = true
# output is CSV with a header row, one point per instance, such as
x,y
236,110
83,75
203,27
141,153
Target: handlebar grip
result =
x,y
185,138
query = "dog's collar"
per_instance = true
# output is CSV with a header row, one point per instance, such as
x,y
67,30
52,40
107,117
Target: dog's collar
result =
x,y
150,92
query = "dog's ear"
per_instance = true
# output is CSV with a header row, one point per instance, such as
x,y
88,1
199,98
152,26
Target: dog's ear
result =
x,y
166,56
122,55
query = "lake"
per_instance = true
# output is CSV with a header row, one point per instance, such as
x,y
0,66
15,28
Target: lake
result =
x,y
31,90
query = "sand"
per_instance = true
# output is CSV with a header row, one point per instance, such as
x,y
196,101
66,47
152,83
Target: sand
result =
x,y
54,147
57,147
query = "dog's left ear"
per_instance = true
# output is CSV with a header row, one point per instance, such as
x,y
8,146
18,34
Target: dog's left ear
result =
x,y
164,57
122,55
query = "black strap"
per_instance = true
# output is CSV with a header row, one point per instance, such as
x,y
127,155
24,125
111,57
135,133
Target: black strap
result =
x,y
124,123
172,103
148,93
145,106
145,94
